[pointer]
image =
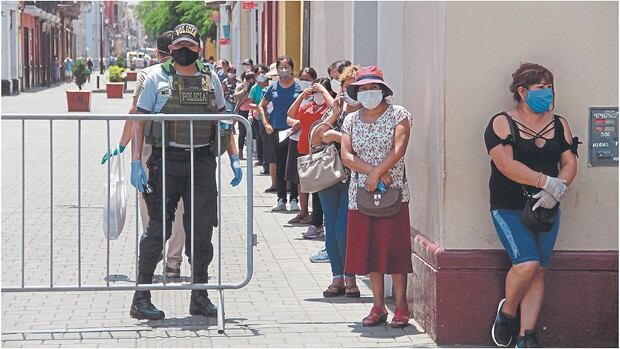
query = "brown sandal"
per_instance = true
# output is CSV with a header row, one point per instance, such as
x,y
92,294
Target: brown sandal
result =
x,y
334,291
297,218
352,291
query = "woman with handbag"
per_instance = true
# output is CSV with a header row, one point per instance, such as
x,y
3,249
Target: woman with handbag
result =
x,y
335,199
374,142
303,107
533,160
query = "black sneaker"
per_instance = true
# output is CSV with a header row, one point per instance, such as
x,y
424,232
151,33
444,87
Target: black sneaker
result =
x,y
504,328
527,341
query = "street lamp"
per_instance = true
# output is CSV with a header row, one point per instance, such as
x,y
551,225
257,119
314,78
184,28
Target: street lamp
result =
x,y
101,66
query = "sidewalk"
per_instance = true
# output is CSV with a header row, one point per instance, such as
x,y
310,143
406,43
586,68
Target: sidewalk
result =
x,y
281,307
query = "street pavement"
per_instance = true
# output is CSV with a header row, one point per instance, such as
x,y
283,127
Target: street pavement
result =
x,y
281,307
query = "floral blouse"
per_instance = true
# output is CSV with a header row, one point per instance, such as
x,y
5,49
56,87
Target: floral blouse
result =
x,y
372,143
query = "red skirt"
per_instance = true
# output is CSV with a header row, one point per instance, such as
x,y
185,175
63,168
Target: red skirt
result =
x,y
380,245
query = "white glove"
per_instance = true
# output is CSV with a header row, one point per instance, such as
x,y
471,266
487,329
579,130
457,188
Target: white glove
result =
x,y
545,200
555,186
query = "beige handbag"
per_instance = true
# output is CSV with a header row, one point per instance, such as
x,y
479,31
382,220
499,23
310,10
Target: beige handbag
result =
x,y
321,169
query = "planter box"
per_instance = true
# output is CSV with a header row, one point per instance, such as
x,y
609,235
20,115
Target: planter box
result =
x,y
132,75
115,89
78,100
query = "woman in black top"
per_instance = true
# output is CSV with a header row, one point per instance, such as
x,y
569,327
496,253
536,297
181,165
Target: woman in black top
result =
x,y
544,167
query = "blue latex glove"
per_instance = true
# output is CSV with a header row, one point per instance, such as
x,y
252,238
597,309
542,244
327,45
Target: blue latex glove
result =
x,y
235,164
381,187
225,126
111,153
138,176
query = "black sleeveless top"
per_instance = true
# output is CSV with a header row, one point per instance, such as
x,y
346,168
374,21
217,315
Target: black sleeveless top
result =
x,y
506,194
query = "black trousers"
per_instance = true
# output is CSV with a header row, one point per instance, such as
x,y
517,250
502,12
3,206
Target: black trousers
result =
x,y
317,210
178,174
242,134
281,156
256,133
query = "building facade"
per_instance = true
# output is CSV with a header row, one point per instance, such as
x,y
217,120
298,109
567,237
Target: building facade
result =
x,y
450,64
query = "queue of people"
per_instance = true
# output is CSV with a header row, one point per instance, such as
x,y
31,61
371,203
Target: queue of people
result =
x,y
364,216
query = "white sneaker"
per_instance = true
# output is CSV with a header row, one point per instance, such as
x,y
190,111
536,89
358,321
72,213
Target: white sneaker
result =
x,y
294,206
280,206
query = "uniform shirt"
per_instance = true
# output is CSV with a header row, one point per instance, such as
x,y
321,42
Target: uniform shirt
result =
x,y
140,79
156,92
282,99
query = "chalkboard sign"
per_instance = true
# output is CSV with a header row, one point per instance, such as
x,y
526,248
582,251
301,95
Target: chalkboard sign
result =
x,y
603,142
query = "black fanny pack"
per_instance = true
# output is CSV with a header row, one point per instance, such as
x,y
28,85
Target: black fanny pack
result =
x,y
542,219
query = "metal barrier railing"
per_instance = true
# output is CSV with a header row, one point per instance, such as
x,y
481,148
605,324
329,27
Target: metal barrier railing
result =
x,y
164,285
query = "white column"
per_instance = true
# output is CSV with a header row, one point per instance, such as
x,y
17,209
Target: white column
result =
x,y
365,33
390,54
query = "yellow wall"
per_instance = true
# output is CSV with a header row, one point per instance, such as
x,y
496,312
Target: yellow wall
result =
x,y
210,49
290,30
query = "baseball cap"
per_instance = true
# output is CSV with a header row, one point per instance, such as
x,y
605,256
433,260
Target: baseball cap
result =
x,y
185,32
163,41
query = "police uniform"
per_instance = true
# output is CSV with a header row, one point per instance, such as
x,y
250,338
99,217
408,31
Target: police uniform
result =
x,y
168,93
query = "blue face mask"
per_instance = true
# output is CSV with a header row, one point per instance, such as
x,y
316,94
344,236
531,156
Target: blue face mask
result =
x,y
539,100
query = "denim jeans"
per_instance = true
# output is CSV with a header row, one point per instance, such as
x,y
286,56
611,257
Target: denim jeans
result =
x,y
335,202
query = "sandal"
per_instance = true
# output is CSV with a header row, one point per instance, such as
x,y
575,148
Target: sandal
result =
x,y
352,291
334,291
377,316
401,318
297,219
306,220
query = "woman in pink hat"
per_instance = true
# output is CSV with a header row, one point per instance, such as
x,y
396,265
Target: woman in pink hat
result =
x,y
374,142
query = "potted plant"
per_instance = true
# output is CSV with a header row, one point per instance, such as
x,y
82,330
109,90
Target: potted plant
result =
x,y
132,74
79,100
116,85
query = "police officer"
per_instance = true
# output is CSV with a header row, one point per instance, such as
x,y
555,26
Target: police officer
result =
x,y
182,85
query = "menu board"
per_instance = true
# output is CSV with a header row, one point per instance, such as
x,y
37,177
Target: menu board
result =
x,y
603,142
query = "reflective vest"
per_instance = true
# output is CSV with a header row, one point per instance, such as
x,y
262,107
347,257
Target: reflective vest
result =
x,y
188,95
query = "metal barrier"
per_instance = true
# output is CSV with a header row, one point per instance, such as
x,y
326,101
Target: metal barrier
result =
x,y
164,285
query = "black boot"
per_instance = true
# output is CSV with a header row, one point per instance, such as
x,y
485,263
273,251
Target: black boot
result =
x,y
141,306
200,304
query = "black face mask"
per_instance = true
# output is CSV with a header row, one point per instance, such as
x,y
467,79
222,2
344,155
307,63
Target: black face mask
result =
x,y
184,56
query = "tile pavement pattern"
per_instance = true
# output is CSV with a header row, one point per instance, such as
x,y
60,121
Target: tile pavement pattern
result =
x,y
281,307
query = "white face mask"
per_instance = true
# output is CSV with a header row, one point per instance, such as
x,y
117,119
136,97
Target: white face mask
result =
x,y
350,101
370,99
262,78
335,85
304,84
318,98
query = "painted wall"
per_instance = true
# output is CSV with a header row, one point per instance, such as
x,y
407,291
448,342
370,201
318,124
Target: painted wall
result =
x,y
331,30
423,96
484,44
289,25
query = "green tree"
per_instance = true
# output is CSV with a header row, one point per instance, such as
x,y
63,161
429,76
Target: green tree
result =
x,y
159,16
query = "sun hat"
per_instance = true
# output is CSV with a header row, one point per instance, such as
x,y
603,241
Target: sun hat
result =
x,y
273,70
368,75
